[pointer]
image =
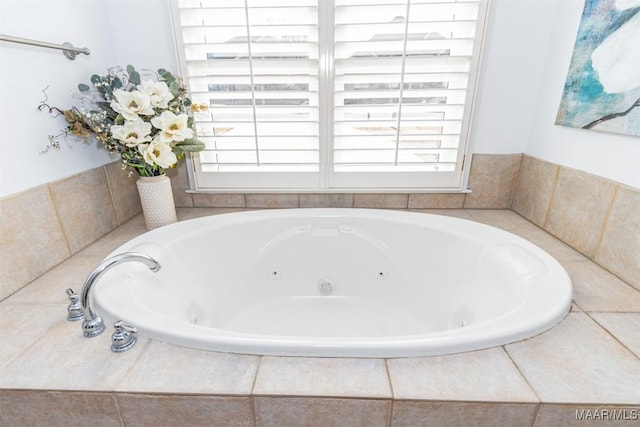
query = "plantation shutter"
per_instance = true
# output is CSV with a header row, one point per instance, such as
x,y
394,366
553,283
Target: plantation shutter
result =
x,y
331,94
402,73
255,65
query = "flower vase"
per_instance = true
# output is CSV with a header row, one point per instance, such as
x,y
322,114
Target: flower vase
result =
x,y
156,198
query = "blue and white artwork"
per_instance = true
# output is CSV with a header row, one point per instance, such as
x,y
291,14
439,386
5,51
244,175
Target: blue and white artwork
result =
x,y
602,90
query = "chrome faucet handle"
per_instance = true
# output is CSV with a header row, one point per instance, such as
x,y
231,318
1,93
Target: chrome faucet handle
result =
x,y
122,338
93,327
74,310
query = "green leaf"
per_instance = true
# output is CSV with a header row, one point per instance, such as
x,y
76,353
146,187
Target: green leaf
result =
x,y
134,77
83,87
166,75
187,102
191,145
96,79
130,69
174,87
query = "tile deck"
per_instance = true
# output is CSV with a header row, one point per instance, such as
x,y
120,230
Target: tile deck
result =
x,y
591,359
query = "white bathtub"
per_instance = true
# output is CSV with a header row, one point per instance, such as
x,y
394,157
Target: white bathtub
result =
x,y
336,282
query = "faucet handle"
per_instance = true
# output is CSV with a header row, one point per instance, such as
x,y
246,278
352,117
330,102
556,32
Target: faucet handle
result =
x,y
74,310
122,338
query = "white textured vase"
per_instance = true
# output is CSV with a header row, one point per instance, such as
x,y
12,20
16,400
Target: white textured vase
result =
x,y
157,201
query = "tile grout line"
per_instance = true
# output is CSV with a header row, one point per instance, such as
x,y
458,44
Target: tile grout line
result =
x,y
255,378
524,377
252,404
554,186
134,362
111,196
114,397
62,228
393,393
535,416
605,222
388,372
35,341
516,183
608,332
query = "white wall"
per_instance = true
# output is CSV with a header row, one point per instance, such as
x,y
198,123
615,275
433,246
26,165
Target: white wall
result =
x,y
613,156
528,50
118,32
142,36
516,43
26,70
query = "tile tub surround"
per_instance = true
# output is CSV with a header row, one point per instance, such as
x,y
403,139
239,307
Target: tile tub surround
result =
x,y
492,180
590,361
598,217
43,226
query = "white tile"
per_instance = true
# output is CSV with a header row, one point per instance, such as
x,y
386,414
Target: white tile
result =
x,y
595,289
23,324
624,326
331,377
485,375
577,361
457,213
164,368
50,288
64,360
555,247
504,219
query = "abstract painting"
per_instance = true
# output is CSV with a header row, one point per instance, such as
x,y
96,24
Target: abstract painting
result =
x,y
602,90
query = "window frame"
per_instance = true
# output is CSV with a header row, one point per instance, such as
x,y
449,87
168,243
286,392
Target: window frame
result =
x,y
326,180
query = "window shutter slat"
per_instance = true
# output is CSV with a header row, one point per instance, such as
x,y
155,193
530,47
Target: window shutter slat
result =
x,y
401,79
255,66
324,94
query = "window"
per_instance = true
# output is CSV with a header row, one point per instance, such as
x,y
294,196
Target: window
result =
x,y
325,95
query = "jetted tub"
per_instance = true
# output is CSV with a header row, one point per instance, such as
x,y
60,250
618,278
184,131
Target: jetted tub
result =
x,y
335,282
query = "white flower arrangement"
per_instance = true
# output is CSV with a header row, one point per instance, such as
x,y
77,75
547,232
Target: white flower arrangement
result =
x,y
148,123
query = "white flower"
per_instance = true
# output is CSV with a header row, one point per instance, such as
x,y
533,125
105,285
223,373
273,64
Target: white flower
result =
x,y
172,127
617,58
626,4
131,104
158,153
158,93
133,132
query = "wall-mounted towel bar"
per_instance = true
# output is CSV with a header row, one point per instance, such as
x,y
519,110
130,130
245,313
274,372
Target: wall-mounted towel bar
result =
x,y
69,50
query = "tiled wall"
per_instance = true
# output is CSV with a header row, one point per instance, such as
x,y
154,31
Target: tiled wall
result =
x,y
598,217
60,408
492,180
41,227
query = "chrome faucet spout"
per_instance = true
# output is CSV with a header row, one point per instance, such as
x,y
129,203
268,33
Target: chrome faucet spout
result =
x,y
93,324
